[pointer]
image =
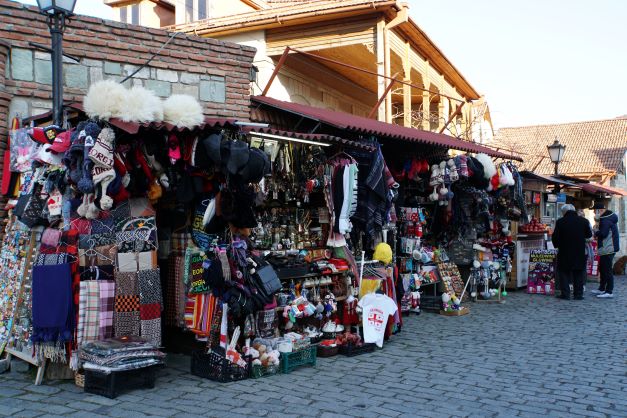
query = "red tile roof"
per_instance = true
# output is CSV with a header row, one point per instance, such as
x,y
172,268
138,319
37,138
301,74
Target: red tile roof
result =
x,y
591,147
383,130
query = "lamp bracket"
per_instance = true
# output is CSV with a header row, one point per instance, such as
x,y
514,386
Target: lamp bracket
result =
x,y
49,50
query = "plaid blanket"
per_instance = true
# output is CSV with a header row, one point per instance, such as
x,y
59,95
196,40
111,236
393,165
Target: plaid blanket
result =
x,y
107,304
89,311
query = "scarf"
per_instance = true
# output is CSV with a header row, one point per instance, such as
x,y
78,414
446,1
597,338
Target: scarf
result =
x,y
53,310
150,304
126,311
89,311
107,304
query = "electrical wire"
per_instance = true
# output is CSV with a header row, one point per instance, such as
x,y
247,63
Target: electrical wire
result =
x,y
172,36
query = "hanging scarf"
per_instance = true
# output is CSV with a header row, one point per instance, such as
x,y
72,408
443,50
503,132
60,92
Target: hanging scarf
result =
x,y
150,304
53,310
107,304
89,311
126,314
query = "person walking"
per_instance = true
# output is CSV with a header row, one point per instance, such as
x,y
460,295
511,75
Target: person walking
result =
x,y
608,245
569,237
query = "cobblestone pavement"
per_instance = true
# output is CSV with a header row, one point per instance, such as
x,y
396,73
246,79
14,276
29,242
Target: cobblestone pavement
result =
x,y
533,356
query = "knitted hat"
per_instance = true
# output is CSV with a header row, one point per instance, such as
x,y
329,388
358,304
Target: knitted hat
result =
x,y
101,154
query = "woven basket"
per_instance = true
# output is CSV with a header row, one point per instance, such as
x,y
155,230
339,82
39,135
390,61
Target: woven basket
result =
x,y
79,379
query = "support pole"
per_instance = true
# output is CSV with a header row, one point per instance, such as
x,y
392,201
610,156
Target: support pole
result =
x,y
457,112
382,98
276,70
380,51
56,33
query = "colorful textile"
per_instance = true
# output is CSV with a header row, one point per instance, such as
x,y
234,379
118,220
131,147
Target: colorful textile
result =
x,y
126,314
89,311
50,259
107,305
174,306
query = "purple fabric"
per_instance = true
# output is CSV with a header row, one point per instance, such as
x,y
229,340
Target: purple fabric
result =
x,y
53,308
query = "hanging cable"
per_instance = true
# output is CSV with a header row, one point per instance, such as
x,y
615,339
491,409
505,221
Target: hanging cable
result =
x,y
172,36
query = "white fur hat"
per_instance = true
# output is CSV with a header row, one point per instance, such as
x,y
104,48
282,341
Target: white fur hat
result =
x,y
141,105
104,99
489,169
183,111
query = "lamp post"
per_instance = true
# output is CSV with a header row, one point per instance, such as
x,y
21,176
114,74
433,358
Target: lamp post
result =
x,y
556,152
57,11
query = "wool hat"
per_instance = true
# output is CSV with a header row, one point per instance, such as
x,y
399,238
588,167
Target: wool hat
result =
x,y
199,157
45,156
101,154
257,167
238,155
212,145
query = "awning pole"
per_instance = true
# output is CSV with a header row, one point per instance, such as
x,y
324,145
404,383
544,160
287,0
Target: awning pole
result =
x,y
276,70
382,98
457,112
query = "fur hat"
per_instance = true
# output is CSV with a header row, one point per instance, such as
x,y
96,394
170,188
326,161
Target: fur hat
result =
x,y
141,105
489,169
183,111
104,99
258,166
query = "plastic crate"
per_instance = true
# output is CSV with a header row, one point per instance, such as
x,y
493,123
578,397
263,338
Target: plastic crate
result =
x,y
325,351
213,366
260,371
350,350
304,357
112,384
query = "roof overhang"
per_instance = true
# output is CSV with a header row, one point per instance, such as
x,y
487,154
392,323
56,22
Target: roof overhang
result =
x,y
382,130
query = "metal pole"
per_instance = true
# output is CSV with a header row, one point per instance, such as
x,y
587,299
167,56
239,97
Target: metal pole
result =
x,y
557,186
56,32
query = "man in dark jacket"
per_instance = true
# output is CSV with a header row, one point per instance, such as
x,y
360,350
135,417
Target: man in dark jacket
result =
x,y
569,237
608,245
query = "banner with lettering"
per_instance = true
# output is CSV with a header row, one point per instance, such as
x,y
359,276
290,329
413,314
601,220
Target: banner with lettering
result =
x,y
542,272
194,279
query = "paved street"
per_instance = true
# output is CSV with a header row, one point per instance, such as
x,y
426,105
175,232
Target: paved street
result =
x,y
533,356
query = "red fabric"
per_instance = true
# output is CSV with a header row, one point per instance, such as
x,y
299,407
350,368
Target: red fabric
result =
x,y
6,172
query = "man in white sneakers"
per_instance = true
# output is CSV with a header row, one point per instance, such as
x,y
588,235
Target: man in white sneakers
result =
x,y
608,245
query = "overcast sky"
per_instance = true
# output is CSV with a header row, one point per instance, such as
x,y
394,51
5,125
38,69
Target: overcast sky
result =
x,y
536,61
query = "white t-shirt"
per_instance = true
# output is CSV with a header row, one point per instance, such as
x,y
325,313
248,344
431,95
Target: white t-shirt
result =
x,y
376,310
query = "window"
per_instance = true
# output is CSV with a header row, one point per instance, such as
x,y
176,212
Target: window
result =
x,y
202,9
130,14
135,14
189,11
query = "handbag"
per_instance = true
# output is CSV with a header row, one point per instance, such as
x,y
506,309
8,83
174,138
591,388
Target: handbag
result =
x,y
267,281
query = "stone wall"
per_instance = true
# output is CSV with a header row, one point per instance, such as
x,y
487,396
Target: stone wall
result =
x,y
215,72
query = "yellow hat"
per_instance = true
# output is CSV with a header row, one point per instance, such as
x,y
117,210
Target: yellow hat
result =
x,y
383,253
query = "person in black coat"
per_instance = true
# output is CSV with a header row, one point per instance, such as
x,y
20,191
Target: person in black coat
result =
x,y
569,237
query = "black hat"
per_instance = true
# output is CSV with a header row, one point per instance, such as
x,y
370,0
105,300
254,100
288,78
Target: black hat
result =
x,y
478,177
200,158
212,147
238,156
257,167
213,274
599,204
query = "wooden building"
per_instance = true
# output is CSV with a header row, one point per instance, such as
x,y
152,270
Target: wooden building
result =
x,y
377,38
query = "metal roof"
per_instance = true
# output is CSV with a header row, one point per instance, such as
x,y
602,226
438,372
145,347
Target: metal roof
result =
x,y
382,130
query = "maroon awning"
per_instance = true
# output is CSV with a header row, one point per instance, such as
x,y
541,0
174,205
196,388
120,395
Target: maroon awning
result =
x,y
330,139
367,126
594,188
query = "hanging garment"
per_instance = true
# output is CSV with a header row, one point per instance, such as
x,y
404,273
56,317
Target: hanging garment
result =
x,y
53,313
377,308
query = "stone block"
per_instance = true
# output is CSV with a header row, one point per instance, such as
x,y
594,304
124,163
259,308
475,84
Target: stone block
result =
x,y
112,68
19,366
95,74
75,76
91,63
22,64
213,91
18,107
183,89
143,73
161,88
43,71
137,82
39,55
188,78
167,75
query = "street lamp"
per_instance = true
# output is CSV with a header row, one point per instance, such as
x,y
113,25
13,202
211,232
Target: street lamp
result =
x,y
556,152
57,11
